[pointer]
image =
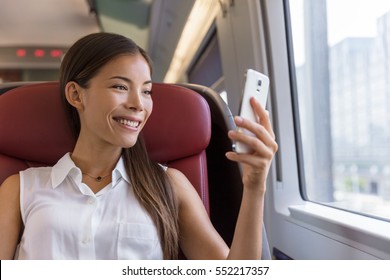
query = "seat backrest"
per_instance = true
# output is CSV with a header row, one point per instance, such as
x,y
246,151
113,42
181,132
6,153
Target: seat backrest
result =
x,y
34,130
225,183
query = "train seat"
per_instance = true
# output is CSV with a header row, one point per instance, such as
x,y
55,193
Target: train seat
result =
x,y
34,130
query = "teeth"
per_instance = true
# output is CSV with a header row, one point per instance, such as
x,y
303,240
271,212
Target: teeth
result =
x,y
129,123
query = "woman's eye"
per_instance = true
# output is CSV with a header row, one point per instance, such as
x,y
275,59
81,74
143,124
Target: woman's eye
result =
x,y
148,92
120,87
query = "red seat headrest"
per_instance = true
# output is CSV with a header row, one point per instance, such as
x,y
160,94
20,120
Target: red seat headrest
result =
x,y
33,124
180,124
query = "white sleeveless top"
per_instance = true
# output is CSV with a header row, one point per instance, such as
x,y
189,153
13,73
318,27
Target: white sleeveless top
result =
x,y
64,219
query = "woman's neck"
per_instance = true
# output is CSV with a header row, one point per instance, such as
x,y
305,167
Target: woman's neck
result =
x,y
95,161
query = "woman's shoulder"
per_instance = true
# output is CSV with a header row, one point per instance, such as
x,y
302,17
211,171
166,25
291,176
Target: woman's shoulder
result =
x,y
181,185
12,183
11,180
10,186
36,174
37,170
175,175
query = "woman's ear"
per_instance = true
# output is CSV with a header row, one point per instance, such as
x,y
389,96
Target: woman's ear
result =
x,y
73,95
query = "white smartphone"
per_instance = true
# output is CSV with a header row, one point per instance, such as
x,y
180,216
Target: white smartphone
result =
x,y
256,85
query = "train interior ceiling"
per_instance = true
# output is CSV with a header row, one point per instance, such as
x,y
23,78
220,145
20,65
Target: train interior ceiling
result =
x,y
35,34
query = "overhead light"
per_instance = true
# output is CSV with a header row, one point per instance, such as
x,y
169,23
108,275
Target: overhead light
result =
x,y
39,53
21,52
198,24
56,53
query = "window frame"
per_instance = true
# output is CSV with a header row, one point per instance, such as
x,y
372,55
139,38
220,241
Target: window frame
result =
x,y
333,233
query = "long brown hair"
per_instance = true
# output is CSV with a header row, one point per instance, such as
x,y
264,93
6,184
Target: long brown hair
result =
x,y
149,181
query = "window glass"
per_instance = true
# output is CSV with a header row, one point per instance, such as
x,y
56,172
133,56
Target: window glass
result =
x,y
207,67
342,69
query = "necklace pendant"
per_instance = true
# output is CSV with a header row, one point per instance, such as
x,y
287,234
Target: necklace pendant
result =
x,y
98,179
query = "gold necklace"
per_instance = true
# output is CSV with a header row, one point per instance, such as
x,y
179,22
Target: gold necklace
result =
x,y
98,178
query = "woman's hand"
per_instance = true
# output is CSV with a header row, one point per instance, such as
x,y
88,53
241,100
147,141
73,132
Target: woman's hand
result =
x,y
263,145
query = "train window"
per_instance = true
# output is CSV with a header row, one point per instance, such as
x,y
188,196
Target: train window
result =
x,y
341,54
207,67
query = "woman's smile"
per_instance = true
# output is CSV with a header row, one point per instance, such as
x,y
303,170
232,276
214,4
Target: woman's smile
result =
x,y
128,122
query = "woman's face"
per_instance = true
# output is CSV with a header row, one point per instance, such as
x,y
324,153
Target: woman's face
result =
x,y
117,102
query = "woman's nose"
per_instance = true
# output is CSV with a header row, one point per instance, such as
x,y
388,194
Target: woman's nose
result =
x,y
134,101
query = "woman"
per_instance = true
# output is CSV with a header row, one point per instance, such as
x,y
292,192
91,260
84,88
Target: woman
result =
x,y
107,199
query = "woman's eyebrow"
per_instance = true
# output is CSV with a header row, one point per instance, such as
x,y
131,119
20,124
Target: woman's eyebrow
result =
x,y
128,80
121,78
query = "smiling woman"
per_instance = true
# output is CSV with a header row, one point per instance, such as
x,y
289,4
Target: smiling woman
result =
x,y
100,86
137,209
328,64
109,99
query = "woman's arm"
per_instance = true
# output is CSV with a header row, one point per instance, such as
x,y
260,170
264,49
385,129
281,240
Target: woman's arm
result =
x,y
10,218
247,240
198,238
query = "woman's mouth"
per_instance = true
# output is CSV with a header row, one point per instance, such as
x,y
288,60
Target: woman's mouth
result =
x,y
129,123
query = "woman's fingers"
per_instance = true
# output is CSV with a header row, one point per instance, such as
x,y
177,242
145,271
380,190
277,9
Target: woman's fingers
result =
x,y
262,143
263,116
258,132
261,138
265,149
